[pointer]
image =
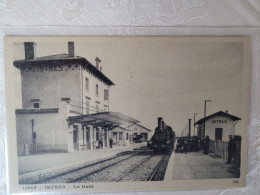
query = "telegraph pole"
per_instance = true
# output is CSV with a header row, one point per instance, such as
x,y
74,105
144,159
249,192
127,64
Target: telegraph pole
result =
x,y
205,107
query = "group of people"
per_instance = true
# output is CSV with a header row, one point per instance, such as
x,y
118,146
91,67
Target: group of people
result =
x,y
187,144
100,143
192,144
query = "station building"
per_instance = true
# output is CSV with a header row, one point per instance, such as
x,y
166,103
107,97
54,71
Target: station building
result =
x,y
139,133
120,136
218,126
65,104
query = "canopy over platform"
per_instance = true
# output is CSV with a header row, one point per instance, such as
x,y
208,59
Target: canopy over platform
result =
x,y
104,119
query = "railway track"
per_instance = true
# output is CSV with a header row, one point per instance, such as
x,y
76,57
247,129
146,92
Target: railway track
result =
x,y
150,169
75,175
134,166
108,174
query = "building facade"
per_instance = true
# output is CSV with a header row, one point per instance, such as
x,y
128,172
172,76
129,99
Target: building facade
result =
x,y
139,133
57,91
120,136
217,126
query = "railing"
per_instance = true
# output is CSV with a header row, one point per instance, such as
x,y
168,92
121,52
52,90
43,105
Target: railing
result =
x,y
220,148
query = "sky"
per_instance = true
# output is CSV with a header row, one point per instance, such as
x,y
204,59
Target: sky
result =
x,y
162,77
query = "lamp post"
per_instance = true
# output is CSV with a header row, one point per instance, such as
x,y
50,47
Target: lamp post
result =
x,y
194,123
205,107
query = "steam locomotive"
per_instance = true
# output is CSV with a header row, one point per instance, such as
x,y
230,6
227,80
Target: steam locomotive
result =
x,y
163,138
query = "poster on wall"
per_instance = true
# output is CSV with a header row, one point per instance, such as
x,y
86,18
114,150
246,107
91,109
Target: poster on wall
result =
x,y
109,114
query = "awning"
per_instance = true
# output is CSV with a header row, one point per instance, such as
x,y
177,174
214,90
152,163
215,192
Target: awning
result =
x,y
103,119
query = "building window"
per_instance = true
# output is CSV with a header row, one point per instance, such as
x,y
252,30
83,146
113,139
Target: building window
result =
x,y
87,107
86,84
144,136
96,90
120,135
218,133
105,94
36,105
126,136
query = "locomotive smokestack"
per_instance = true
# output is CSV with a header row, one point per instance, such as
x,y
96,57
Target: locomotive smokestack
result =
x,y
163,125
160,120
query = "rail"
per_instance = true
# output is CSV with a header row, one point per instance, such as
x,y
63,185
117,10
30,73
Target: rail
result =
x,y
156,169
131,169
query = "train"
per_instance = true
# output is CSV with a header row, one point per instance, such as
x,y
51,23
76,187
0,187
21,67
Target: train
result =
x,y
163,138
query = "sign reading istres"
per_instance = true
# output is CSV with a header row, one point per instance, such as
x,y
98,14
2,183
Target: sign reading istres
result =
x,y
219,121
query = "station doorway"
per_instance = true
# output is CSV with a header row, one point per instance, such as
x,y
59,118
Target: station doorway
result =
x,y
75,137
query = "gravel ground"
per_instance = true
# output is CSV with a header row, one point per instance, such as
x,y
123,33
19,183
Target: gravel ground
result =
x,y
159,176
144,171
108,171
72,176
113,172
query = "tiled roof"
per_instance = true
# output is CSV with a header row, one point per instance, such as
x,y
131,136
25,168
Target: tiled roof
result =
x,y
63,59
55,57
220,113
143,127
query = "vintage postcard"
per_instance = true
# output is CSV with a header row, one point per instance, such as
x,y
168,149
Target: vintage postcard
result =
x,y
109,114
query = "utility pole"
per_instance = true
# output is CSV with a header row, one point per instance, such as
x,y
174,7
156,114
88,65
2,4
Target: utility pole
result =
x,y
205,107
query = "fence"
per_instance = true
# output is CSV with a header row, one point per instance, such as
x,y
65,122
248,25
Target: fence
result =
x,y
27,149
220,148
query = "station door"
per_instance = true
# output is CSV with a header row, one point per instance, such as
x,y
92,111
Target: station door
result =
x,y
218,133
115,138
75,140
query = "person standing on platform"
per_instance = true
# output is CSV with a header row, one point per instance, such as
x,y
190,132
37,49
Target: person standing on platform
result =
x,y
99,143
185,145
111,142
206,145
231,149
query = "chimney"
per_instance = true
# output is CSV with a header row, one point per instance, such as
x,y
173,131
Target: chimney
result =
x,y
97,62
29,50
189,128
71,49
226,111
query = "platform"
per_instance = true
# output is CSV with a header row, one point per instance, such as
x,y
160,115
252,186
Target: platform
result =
x,y
44,164
196,165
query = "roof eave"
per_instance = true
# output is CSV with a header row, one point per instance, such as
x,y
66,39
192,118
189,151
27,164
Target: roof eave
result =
x,y
84,62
